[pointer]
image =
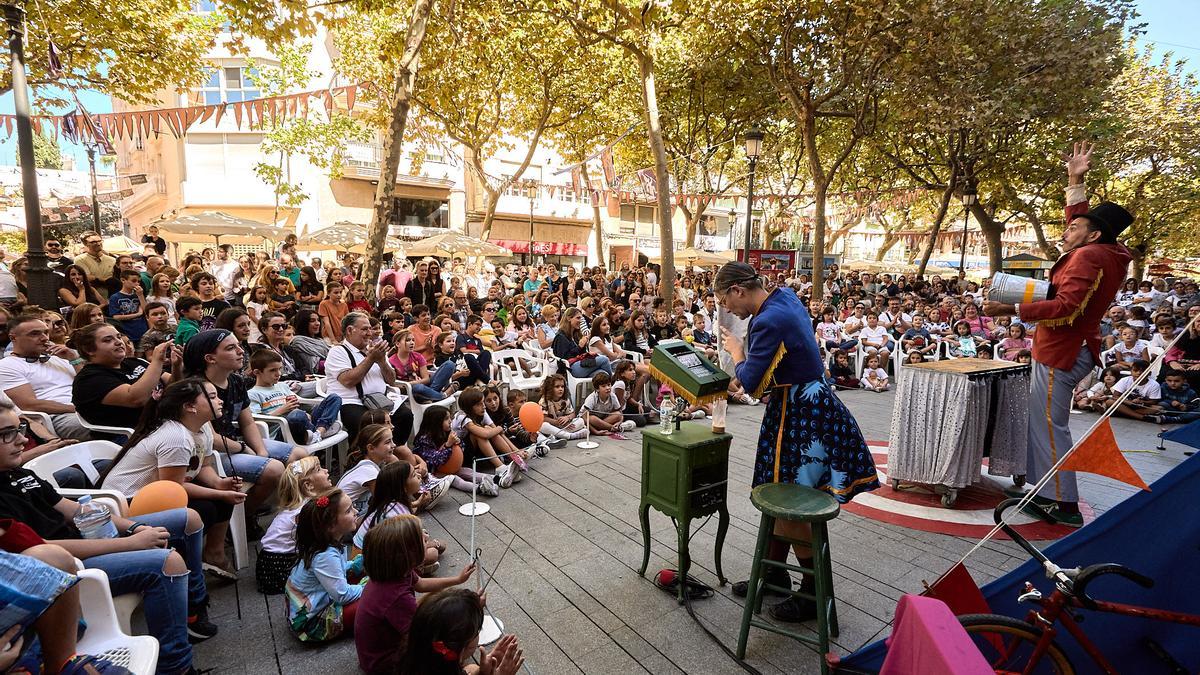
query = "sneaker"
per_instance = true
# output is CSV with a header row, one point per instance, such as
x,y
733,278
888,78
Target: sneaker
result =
x,y
1154,419
794,610
747,399
618,436
699,415
1060,517
335,427
554,444
627,425
504,475
540,450
488,486
438,490
199,628
520,461
314,436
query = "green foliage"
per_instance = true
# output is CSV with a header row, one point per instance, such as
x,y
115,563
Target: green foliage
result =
x,y
46,154
129,49
320,138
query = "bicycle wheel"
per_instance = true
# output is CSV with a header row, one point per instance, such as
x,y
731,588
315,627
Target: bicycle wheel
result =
x,y
1007,644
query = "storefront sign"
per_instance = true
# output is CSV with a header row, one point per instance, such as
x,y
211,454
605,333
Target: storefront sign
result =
x,y
542,247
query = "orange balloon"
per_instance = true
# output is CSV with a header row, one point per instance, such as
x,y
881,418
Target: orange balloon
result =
x,y
532,417
161,495
453,463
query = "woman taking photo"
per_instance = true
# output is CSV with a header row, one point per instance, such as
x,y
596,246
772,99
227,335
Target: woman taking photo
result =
x,y
174,441
75,289
569,346
113,387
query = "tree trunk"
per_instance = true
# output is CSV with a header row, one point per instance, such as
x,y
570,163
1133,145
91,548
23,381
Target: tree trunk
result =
x,y
693,222
889,240
491,201
820,194
400,101
943,207
666,279
841,232
1137,267
597,225
1049,250
992,232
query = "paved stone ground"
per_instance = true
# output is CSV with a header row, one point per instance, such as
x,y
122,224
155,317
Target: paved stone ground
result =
x,y
569,586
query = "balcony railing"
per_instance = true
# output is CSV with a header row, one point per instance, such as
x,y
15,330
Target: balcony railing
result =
x,y
362,160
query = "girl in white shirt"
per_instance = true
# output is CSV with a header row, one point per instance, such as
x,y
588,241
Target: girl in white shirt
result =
x,y
874,378
373,449
302,480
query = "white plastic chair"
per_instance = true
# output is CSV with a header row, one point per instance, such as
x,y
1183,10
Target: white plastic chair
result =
x,y
80,455
1155,366
102,429
278,425
514,375
418,409
107,636
237,523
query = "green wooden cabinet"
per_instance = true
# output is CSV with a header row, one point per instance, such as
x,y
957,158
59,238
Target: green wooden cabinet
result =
x,y
685,476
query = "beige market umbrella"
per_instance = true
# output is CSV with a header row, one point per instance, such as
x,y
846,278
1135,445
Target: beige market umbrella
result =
x,y
215,225
450,244
345,236
121,245
699,258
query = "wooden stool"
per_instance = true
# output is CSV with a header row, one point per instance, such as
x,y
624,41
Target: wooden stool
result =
x,y
787,501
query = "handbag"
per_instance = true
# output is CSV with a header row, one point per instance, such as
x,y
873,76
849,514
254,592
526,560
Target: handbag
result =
x,y
375,400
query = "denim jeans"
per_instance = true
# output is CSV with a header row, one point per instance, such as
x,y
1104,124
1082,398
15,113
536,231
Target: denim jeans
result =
x,y
438,381
74,478
324,414
844,345
480,367
602,363
167,600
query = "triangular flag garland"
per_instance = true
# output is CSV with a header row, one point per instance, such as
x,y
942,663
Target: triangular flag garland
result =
x,y
177,121
1099,454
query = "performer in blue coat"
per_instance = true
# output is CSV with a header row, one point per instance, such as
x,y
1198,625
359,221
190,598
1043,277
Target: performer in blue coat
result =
x,y
807,437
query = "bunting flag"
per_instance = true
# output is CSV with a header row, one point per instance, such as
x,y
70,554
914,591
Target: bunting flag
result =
x,y
1099,454
130,124
649,182
610,169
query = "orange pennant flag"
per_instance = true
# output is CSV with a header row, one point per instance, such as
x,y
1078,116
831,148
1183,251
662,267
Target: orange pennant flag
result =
x,y
1099,454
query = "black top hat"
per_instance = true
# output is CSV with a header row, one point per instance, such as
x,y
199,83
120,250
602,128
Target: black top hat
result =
x,y
1111,218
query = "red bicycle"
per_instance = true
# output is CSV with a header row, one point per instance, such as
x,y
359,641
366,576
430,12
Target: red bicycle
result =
x,y
1014,646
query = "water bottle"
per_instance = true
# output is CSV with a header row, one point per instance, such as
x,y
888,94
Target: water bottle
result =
x,y
94,521
664,418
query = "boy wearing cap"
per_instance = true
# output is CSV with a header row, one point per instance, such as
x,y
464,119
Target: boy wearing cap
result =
x,y
1066,346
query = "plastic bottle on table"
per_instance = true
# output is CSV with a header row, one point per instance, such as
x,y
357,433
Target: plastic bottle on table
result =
x,y
664,417
94,520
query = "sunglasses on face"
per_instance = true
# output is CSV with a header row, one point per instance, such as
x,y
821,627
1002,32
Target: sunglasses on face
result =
x,y
9,434
277,326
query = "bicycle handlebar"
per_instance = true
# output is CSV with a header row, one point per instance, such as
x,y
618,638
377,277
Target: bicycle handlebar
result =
x,y
1092,571
998,515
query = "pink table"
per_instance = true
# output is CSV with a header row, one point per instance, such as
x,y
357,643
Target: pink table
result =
x,y
927,639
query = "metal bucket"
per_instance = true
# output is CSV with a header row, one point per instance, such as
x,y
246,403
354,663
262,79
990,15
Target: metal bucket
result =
x,y
1010,288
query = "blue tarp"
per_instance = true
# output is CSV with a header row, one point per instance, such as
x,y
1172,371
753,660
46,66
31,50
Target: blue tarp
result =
x,y
1156,533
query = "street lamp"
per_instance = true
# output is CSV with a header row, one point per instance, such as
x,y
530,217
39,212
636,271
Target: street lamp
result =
x,y
91,155
42,284
754,139
968,199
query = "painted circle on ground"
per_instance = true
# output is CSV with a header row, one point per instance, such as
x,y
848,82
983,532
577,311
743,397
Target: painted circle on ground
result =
x,y
919,507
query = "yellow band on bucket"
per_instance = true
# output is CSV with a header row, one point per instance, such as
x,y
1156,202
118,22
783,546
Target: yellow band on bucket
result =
x,y
1030,288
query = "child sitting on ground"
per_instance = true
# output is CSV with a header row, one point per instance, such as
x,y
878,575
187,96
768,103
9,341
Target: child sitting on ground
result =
x,y
1179,402
269,396
627,387
842,372
302,480
434,486
915,357
1143,401
604,410
693,412
1097,397
484,438
444,636
509,417
442,449
321,600
875,378
393,552
560,418
372,451
1130,348
397,492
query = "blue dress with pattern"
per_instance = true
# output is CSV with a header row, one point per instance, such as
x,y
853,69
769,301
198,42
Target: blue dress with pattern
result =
x,y
808,437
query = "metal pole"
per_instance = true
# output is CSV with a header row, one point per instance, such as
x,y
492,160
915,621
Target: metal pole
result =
x,y
962,262
91,153
43,288
530,254
749,211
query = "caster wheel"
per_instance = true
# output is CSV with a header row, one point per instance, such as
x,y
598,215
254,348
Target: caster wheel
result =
x,y
1019,481
894,483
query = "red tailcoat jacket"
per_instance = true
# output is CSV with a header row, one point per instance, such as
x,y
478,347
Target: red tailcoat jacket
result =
x,y
1085,282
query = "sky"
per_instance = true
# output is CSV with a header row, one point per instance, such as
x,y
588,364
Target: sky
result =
x,y
1170,26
